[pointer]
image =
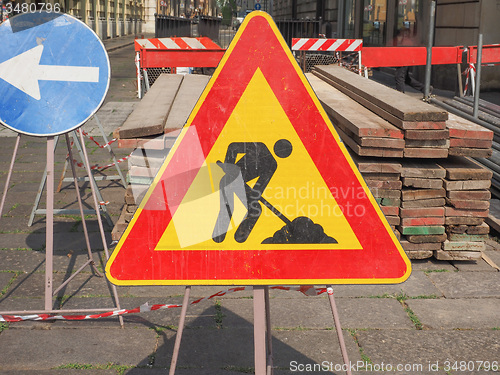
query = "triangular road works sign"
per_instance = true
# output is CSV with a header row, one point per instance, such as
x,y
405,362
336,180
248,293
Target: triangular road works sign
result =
x,y
258,188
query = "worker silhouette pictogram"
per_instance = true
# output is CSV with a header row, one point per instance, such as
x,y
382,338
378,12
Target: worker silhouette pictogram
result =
x,y
257,162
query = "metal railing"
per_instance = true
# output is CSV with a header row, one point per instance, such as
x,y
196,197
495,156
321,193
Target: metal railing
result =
x,y
209,27
298,29
168,26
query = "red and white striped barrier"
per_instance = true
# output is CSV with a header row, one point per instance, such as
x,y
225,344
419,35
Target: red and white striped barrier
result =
x,y
323,44
307,290
176,44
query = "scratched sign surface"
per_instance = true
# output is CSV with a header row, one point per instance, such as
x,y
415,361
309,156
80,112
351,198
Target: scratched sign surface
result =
x,y
258,188
54,73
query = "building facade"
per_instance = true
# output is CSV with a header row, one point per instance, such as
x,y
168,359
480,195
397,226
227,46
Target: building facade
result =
x,y
108,18
406,22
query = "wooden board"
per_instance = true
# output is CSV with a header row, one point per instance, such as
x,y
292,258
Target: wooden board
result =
x,y
418,143
433,202
422,221
451,211
376,165
428,153
422,230
423,183
467,184
469,194
426,135
381,184
416,194
150,114
472,152
189,92
348,114
468,204
397,104
422,169
463,220
457,255
426,238
460,168
422,212
462,128
369,151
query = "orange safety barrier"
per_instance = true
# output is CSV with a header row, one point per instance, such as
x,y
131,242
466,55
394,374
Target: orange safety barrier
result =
x,y
490,54
374,57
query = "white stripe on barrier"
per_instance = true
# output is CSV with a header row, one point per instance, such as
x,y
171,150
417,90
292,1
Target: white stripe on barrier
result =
x,y
193,43
169,43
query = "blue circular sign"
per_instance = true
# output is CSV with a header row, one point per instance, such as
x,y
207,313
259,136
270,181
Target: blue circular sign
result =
x,y
258,6
54,73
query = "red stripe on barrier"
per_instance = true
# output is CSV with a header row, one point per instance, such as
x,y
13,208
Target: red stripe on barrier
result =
x,y
490,54
374,57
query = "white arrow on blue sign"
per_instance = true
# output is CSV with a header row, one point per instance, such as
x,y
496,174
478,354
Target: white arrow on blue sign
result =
x,y
54,73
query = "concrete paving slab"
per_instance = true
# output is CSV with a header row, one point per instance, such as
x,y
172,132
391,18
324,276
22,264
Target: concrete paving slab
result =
x,y
494,255
198,315
315,312
418,284
424,347
82,285
46,349
457,313
180,371
86,371
5,279
234,347
431,264
467,284
474,266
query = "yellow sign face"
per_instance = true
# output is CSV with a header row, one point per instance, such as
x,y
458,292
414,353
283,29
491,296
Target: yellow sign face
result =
x,y
295,187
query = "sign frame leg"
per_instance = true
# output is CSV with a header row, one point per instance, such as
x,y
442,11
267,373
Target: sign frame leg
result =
x,y
263,355
49,226
338,328
90,259
178,336
9,174
93,188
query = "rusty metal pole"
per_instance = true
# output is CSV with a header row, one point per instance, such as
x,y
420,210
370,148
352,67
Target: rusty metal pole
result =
x,y
259,329
178,337
475,110
49,226
430,42
9,174
338,328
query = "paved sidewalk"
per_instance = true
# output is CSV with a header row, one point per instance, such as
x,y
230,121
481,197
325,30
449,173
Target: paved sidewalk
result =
x,y
445,317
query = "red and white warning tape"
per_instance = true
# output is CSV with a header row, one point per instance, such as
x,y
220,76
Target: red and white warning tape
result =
x,y
96,166
307,290
85,134
466,73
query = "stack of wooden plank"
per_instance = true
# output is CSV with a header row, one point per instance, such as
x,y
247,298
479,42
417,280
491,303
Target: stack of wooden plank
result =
x,y
423,127
151,129
434,218
467,206
422,208
365,134
383,178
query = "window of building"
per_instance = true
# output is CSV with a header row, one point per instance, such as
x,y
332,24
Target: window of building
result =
x,y
374,22
406,23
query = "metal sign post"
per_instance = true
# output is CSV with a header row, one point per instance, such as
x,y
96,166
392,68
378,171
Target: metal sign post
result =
x,y
49,91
